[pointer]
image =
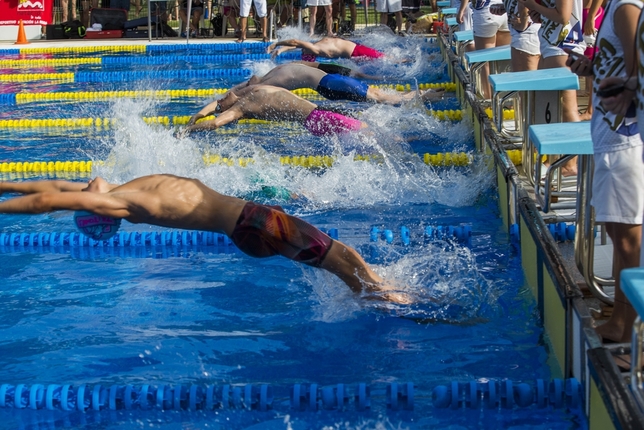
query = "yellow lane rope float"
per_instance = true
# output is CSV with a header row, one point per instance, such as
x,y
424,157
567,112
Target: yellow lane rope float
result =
x,y
454,115
508,114
30,77
48,62
441,159
89,96
84,49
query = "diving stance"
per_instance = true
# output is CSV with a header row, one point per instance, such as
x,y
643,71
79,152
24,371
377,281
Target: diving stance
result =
x,y
271,103
327,47
293,76
178,202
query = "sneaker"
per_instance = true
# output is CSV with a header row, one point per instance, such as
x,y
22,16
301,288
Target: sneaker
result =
x,y
183,34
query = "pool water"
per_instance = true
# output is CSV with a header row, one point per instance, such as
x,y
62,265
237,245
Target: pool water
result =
x,y
210,315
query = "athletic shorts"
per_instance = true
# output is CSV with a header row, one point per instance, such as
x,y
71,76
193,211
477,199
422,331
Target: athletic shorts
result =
x,y
527,40
338,87
263,231
365,51
324,123
318,2
618,186
260,8
486,24
547,50
388,6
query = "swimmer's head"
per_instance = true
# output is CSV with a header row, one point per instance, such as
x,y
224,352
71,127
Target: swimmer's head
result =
x,y
98,227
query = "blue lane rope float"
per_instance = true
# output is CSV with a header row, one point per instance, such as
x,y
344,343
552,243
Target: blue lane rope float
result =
x,y
192,59
461,233
125,238
84,398
209,47
301,397
557,393
138,76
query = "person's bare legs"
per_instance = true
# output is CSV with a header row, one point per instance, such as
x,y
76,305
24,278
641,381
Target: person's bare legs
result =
x,y
65,10
243,26
626,254
399,21
328,16
570,110
522,61
485,43
264,23
313,10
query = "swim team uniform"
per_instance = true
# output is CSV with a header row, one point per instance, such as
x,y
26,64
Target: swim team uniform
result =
x,y
338,87
323,123
618,178
263,231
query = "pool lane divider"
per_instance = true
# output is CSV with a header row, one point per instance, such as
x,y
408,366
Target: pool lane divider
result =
x,y
396,396
459,233
96,96
319,161
155,49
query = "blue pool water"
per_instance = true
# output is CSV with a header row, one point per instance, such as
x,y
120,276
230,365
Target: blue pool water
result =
x,y
210,315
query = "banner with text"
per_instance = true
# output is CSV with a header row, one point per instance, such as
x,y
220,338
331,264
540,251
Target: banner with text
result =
x,y
31,12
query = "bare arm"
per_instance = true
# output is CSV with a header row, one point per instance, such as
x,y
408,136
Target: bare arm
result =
x,y
589,24
232,114
209,109
626,17
293,44
41,202
561,13
30,187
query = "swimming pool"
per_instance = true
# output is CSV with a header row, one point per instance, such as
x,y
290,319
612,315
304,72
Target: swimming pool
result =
x,y
204,314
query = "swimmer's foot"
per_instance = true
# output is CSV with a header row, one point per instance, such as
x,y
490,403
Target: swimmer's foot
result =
x,y
433,95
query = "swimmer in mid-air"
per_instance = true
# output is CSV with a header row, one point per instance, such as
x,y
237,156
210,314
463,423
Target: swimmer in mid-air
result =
x,y
271,103
327,47
293,76
178,202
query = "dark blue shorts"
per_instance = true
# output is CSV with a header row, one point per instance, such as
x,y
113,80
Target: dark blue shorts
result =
x,y
338,87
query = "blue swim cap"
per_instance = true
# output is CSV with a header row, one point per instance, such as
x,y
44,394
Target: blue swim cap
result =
x,y
98,227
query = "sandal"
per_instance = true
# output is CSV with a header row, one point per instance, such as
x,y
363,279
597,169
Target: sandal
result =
x,y
266,39
240,40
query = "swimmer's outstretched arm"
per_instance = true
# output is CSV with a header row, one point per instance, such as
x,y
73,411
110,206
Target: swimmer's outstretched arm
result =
x,y
293,44
30,187
42,202
232,114
208,110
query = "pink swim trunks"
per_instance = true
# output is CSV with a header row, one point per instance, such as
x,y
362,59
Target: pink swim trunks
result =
x,y
324,123
365,51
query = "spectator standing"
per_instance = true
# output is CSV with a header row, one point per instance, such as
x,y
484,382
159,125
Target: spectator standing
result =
x,y
244,10
328,15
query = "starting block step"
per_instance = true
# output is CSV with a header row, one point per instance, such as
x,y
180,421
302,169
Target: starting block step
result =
x,y
499,53
562,138
466,35
535,80
632,283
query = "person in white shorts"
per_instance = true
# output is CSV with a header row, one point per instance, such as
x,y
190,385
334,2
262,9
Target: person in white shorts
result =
x,y
385,7
524,34
618,178
244,11
489,31
328,15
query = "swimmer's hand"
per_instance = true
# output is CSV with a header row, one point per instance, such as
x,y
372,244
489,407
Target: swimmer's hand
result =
x,y
433,94
181,133
196,117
